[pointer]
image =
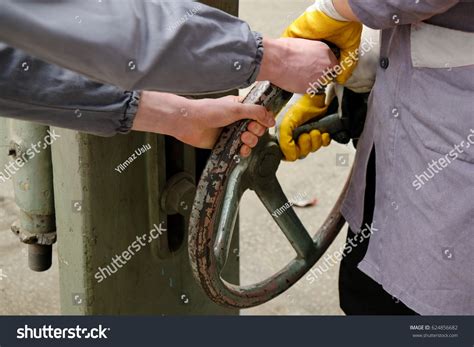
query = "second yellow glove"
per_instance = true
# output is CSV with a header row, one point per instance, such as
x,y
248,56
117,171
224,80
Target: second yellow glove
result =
x,y
305,109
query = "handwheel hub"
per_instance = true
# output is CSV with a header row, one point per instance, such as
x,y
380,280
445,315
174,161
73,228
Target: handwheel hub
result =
x,y
266,159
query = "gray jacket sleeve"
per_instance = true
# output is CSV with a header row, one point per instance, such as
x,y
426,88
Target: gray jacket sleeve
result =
x,y
383,14
35,91
181,47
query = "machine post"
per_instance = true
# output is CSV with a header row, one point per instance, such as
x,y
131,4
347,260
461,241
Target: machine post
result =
x,y
100,213
32,178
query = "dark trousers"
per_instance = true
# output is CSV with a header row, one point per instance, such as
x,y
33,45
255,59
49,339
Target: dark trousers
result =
x,y
358,293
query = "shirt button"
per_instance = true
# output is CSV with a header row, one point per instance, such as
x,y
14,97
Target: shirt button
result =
x,y
384,62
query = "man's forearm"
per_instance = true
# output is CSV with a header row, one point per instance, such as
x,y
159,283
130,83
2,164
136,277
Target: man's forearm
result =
x,y
33,90
161,113
270,69
199,122
293,64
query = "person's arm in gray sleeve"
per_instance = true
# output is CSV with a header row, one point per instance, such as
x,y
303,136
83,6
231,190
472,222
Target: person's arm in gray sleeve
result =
x,y
383,14
182,47
33,90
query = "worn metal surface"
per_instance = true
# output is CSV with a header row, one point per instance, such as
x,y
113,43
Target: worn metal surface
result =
x,y
215,209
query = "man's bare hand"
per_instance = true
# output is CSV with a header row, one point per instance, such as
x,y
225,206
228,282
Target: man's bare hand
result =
x,y
200,122
293,64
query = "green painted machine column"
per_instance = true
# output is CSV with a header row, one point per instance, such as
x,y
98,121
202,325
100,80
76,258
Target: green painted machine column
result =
x,y
121,214
31,171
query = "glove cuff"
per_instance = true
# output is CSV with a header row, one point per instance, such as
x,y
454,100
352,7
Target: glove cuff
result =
x,y
327,7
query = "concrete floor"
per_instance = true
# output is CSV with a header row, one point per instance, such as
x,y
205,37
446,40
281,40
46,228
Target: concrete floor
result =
x,y
264,250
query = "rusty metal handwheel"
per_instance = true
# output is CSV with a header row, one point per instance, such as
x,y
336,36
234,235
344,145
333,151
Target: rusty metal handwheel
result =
x,y
215,210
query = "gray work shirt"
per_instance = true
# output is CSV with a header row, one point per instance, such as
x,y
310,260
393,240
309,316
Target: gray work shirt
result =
x,y
421,123
33,90
175,46
181,47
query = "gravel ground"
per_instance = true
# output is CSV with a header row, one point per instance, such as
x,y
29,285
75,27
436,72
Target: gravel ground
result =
x,y
264,250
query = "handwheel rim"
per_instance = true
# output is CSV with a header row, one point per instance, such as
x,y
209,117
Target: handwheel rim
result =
x,y
204,222
207,209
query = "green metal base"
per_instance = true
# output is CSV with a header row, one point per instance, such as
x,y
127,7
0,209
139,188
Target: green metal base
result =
x,y
99,215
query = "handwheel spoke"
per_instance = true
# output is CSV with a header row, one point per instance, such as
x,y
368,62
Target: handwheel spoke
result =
x,y
272,196
229,212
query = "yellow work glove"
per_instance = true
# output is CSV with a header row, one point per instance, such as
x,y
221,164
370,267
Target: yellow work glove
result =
x,y
307,108
316,25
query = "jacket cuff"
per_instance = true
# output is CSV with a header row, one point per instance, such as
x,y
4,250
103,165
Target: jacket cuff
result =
x,y
257,61
126,123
